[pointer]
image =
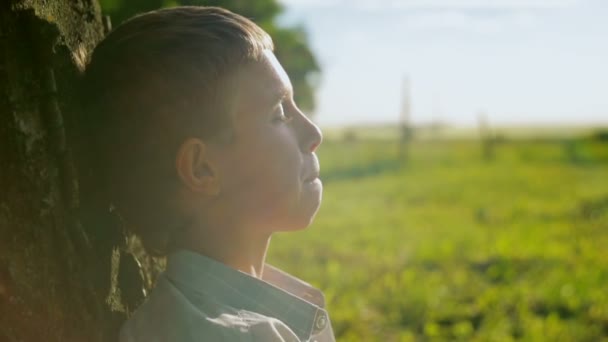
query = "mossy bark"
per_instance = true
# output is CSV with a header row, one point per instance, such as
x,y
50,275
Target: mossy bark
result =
x,y
61,274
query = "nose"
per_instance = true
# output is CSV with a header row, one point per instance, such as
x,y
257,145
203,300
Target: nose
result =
x,y
311,136
318,137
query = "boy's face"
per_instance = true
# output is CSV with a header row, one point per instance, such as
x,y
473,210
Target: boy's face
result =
x,y
269,173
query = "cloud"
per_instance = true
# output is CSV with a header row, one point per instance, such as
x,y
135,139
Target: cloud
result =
x,y
467,21
435,4
313,3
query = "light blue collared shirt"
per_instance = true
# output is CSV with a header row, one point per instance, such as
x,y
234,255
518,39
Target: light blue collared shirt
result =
x,y
200,299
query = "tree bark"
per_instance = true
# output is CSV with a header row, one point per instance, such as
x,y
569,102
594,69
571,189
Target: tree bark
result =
x,y
65,274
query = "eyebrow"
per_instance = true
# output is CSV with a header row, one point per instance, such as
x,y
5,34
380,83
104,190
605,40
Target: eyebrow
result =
x,y
280,95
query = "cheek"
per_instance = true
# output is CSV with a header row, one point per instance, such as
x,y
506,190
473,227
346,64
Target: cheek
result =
x,y
278,173
270,202
267,175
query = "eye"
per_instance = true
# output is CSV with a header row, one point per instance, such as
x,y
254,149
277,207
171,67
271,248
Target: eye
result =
x,y
279,114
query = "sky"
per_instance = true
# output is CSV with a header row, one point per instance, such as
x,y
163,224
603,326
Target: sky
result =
x,y
519,62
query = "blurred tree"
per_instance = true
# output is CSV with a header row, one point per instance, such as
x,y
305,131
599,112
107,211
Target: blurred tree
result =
x,y
291,44
65,273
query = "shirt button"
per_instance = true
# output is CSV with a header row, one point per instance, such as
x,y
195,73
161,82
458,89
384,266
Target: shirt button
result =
x,y
321,322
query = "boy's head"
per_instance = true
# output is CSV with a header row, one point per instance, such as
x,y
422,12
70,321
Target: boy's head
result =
x,y
194,129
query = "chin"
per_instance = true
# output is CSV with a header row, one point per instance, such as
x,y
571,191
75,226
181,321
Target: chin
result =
x,y
302,216
296,227
301,222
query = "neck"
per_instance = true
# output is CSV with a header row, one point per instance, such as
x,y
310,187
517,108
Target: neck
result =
x,y
244,252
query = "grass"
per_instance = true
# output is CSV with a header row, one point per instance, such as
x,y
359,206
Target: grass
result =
x,y
445,245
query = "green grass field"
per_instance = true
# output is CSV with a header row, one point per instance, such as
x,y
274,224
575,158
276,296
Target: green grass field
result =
x,y
448,246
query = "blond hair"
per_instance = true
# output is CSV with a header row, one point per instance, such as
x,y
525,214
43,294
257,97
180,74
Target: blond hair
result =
x,y
156,80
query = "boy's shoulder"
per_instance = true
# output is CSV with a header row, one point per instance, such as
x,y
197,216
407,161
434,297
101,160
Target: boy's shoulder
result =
x,y
168,315
200,299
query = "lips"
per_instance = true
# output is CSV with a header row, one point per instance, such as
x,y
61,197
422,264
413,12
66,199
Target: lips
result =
x,y
312,177
313,170
314,174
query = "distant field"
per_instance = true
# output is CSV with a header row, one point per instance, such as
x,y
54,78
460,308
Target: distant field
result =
x,y
446,132
446,245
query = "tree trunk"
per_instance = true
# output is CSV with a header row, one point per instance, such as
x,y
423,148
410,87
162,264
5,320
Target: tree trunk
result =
x,y
62,272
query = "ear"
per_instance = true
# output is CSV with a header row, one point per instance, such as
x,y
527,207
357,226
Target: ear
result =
x,y
194,169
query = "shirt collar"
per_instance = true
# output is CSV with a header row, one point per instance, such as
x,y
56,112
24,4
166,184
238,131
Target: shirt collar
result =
x,y
277,295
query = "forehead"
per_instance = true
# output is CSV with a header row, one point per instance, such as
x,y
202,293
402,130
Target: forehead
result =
x,y
262,83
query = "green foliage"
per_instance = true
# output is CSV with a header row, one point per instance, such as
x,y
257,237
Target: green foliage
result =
x,y
600,135
451,248
291,43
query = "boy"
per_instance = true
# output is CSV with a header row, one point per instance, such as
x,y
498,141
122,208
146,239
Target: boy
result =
x,y
205,154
